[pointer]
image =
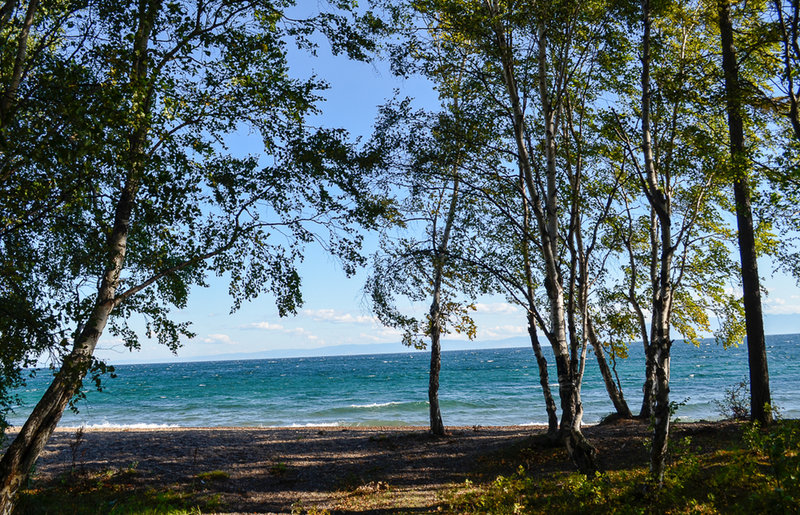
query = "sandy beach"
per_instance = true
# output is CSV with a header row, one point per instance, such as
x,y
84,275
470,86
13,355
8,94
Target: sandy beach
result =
x,y
276,470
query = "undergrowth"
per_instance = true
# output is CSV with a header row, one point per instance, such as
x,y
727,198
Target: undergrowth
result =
x,y
106,492
758,472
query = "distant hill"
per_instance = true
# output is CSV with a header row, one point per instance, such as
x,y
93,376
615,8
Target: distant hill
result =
x,y
345,350
773,324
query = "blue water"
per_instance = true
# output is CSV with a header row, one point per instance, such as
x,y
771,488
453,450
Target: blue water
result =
x,y
480,387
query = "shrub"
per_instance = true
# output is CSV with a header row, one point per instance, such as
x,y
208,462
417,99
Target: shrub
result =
x,y
780,445
735,404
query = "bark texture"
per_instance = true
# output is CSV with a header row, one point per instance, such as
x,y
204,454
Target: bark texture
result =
x,y
541,361
659,197
544,379
612,388
756,346
546,216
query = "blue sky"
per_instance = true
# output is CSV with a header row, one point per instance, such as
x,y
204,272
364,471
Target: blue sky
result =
x,y
335,313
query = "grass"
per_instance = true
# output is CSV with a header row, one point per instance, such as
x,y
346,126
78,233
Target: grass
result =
x,y
742,469
214,475
752,471
111,491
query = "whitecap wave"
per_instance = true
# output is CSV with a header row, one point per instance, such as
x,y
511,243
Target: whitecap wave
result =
x,y
375,405
141,425
313,424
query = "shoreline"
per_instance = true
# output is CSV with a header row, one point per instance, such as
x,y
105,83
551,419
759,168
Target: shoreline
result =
x,y
273,470
276,470
12,431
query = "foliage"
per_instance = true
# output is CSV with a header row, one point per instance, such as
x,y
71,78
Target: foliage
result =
x,y
780,445
110,492
430,258
213,475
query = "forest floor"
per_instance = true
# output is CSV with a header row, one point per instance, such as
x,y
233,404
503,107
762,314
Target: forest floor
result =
x,y
340,470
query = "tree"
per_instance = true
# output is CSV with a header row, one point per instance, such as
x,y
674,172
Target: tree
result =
x,y
168,203
669,232
431,151
756,346
532,65
44,103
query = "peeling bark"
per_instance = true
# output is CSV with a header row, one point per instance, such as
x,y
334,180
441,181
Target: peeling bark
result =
x,y
544,379
660,199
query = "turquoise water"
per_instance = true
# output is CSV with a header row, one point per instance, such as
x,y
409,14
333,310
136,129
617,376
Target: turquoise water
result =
x,y
480,387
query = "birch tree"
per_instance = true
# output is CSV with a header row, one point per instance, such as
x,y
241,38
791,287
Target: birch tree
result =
x,y
529,61
678,265
425,262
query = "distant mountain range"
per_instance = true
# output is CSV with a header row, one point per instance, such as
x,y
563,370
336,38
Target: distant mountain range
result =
x,y
353,349
774,324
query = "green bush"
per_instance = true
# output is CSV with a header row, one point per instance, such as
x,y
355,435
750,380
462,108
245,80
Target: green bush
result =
x,y
780,445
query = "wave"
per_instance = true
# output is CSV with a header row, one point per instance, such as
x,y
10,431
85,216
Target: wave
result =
x,y
313,424
141,425
376,405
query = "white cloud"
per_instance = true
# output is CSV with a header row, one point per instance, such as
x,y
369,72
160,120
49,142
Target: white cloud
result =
x,y
383,335
331,315
269,326
454,336
782,306
504,331
218,338
266,326
303,332
496,308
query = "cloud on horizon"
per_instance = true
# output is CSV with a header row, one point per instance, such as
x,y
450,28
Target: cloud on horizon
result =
x,y
269,326
496,307
502,331
782,306
332,315
218,338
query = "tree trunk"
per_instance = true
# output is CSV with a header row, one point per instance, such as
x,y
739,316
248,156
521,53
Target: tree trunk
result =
x,y
583,454
661,411
544,376
23,452
614,392
646,410
544,379
756,346
437,427
440,256
662,290
20,457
